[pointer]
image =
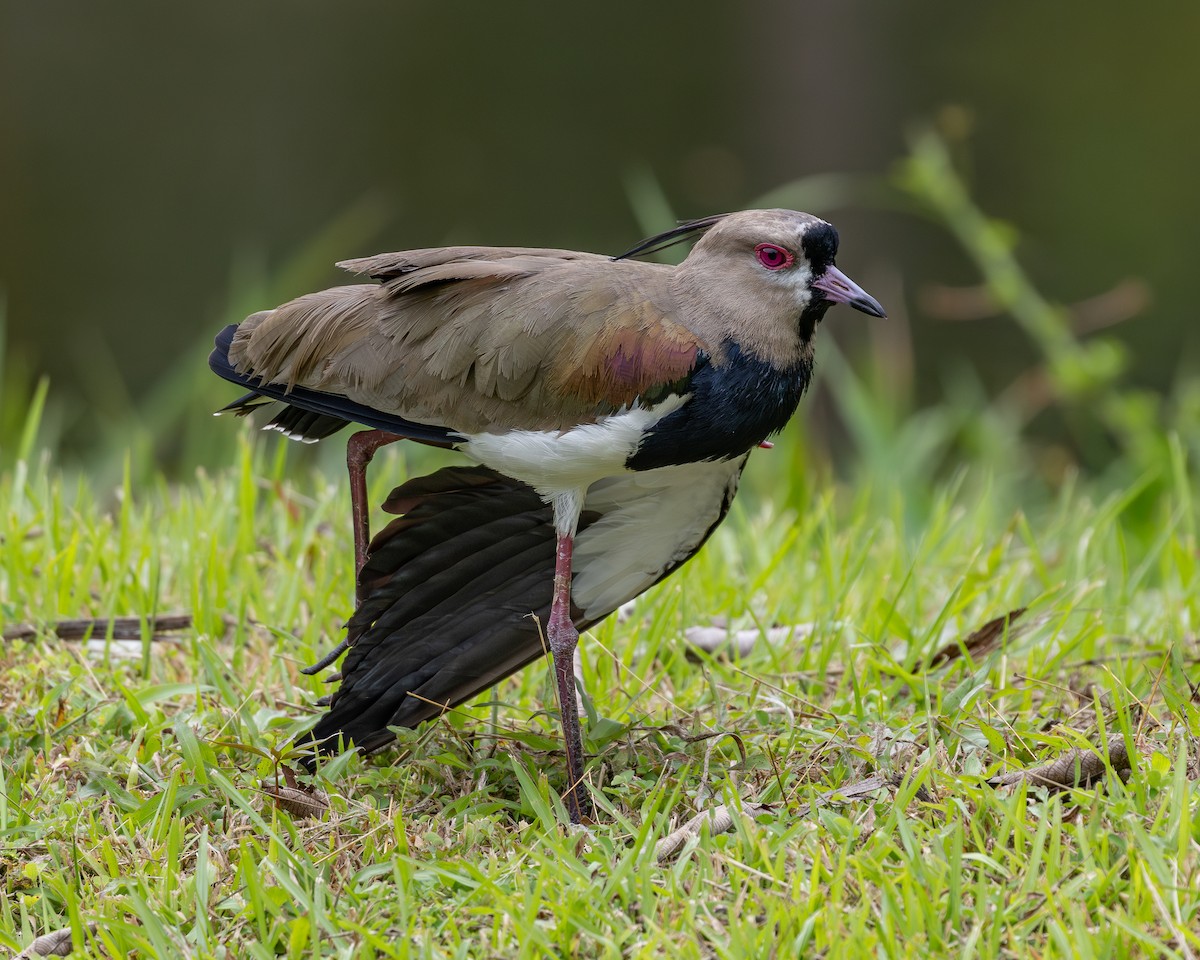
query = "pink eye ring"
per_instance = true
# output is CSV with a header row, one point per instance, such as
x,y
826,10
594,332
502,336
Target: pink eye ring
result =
x,y
773,257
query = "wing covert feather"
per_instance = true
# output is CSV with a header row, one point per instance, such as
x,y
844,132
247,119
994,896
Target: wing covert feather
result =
x,y
480,339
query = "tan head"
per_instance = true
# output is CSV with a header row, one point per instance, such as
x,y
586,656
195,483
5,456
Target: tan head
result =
x,y
763,279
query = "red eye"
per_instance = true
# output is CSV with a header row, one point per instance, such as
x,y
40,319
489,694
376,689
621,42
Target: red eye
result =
x,y
773,257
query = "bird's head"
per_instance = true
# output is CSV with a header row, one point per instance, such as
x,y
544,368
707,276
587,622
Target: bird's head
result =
x,y
764,279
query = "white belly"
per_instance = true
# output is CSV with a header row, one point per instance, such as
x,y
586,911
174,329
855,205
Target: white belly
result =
x,y
652,520
556,462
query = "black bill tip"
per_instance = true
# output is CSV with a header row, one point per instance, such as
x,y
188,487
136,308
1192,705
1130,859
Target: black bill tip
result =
x,y
839,288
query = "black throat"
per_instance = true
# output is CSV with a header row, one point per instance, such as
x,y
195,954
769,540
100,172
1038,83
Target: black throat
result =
x,y
731,409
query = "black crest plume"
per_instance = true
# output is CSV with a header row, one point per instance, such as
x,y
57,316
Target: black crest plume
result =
x,y
687,230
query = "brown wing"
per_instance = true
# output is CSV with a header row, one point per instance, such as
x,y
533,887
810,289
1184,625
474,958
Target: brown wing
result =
x,y
478,338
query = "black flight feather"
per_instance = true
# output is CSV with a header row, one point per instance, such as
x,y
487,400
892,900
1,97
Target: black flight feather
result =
x,y
447,599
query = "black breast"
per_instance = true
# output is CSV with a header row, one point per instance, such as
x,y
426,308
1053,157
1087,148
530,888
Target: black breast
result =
x,y
731,408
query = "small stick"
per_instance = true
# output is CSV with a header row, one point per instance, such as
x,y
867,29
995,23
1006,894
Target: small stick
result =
x,y
55,944
1075,768
123,628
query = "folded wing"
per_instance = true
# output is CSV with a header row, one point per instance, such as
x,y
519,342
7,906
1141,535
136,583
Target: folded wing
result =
x,y
468,339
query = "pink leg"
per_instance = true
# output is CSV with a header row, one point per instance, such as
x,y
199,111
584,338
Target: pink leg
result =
x,y
562,638
360,448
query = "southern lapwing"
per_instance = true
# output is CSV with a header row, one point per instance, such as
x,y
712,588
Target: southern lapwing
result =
x,y
610,404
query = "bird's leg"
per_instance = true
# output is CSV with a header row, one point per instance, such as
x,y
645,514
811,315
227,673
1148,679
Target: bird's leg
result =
x,y
360,448
562,638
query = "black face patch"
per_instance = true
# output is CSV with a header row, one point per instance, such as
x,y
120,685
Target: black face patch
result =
x,y
820,245
812,315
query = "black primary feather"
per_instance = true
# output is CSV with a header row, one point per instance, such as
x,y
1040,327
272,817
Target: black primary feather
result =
x,y
448,598
448,595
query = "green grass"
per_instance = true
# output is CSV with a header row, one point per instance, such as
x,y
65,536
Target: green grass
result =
x,y
130,795
132,809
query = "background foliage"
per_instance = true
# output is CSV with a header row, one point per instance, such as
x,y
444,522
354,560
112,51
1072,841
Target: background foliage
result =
x,y
1020,435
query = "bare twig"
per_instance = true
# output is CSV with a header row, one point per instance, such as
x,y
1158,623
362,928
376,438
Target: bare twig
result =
x,y
123,628
1124,301
1074,769
296,800
719,819
55,944
982,641
943,302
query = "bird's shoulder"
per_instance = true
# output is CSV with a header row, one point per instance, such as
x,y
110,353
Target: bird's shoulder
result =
x,y
482,338
407,270
566,331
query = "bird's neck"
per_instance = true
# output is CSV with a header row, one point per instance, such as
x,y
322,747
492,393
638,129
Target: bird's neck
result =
x,y
732,406
767,324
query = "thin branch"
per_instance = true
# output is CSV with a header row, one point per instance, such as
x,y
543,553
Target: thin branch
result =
x,y
54,944
1074,769
123,628
982,641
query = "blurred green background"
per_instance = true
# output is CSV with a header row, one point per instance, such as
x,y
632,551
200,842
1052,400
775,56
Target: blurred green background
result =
x,y
168,168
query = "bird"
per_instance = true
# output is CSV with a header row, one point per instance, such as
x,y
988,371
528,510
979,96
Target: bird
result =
x,y
608,406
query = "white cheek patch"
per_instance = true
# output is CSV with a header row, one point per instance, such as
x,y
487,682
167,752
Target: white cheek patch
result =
x,y
798,280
